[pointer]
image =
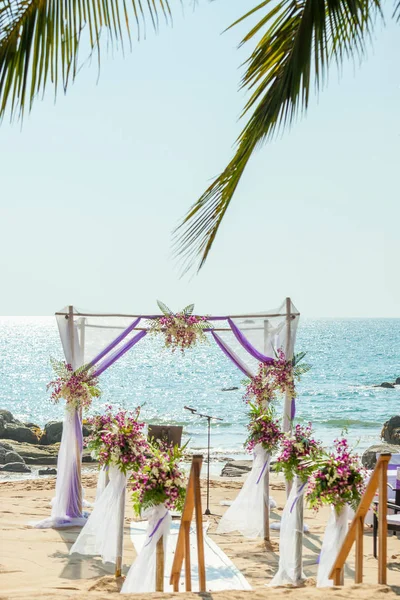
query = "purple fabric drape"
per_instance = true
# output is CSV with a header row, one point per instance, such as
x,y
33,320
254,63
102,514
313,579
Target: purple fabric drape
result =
x,y
293,409
246,344
229,353
109,360
115,342
74,509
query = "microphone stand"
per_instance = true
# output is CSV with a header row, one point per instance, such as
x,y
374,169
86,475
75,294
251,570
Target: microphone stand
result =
x,y
209,418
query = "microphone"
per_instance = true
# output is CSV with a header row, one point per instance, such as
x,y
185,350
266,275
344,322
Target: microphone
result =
x,y
192,410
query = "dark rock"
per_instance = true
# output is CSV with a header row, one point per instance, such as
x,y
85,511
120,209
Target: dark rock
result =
x,y
386,384
47,471
32,425
236,468
19,433
229,389
13,457
369,456
5,445
52,433
16,467
397,382
3,453
2,426
7,416
391,431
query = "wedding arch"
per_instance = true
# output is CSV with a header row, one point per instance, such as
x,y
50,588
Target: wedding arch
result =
x,y
99,340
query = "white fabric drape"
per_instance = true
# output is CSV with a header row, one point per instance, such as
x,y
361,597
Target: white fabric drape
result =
x,y
335,533
102,481
100,534
141,577
291,538
246,514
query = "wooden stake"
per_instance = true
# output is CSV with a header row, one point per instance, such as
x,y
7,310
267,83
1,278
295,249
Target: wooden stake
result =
x,y
298,538
199,525
160,565
120,534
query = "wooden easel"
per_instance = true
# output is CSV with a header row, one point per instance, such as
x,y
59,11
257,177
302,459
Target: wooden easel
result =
x,y
192,501
377,480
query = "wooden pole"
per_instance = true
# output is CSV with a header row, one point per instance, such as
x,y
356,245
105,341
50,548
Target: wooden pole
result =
x,y
266,503
199,523
382,524
188,576
160,565
298,536
71,335
359,550
120,534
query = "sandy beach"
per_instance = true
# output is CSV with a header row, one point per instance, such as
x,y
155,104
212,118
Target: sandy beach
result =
x,y
35,563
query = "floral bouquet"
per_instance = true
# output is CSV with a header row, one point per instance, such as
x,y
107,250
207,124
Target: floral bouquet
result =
x,y
118,440
76,387
338,479
181,330
263,429
299,453
159,480
275,378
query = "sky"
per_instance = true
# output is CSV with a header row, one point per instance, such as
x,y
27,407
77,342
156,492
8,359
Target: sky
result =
x,y
92,186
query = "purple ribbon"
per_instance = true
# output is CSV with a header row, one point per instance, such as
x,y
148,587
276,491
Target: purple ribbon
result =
x,y
116,355
293,409
75,487
298,496
230,354
246,344
155,528
262,472
117,340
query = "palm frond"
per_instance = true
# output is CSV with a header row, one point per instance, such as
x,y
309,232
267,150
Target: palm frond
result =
x,y
297,42
396,13
164,308
40,40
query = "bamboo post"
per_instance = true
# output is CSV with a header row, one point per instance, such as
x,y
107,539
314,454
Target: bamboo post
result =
x,y
120,534
160,565
382,524
287,424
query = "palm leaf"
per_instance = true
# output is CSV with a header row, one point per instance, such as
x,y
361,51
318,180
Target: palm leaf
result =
x,y
164,308
40,40
297,42
188,310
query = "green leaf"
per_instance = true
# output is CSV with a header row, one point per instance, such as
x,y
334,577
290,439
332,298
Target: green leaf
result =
x,y
188,310
295,43
164,308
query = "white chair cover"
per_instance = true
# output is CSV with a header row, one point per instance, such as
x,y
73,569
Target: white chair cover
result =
x,y
290,557
246,514
99,535
141,577
334,535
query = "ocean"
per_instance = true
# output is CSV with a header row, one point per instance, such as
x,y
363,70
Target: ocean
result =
x,y
348,357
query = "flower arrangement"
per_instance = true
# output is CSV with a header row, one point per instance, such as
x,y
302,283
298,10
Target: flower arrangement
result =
x,y
276,378
182,330
338,479
78,388
159,480
118,440
299,453
263,429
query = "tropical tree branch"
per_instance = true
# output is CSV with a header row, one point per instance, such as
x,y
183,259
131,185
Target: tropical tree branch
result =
x,y
40,40
299,39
